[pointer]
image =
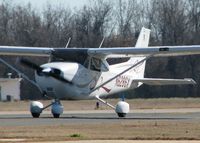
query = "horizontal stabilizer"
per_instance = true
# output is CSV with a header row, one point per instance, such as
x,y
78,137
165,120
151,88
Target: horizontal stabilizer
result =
x,y
161,81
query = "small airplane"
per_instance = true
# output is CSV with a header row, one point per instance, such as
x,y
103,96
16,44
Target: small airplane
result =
x,y
86,73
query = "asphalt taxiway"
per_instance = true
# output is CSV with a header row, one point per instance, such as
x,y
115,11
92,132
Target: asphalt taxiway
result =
x,y
24,118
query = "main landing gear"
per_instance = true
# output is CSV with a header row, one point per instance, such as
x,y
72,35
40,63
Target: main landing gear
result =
x,y
122,107
37,107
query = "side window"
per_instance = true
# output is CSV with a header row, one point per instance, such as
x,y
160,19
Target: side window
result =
x,y
95,64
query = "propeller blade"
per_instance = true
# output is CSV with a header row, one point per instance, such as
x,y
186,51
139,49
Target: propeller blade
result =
x,y
30,64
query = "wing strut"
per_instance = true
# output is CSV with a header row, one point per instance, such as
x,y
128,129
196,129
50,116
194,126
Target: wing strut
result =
x,y
146,58
22,74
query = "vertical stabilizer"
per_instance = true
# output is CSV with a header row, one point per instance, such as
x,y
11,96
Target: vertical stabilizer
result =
x,y
143,39
142,42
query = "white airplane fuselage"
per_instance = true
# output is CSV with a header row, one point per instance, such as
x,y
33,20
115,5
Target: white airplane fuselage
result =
x,y
84,80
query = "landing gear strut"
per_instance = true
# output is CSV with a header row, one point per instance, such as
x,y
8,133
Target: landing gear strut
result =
x,y
122,107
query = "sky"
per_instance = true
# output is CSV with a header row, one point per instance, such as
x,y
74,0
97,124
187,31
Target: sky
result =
x,y
40,4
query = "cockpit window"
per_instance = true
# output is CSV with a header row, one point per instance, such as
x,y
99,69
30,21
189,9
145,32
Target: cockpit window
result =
x,y
98,64
95,64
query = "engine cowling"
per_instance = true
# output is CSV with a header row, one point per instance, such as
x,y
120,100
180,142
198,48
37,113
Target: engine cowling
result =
x,y
122,108
56,109
36,108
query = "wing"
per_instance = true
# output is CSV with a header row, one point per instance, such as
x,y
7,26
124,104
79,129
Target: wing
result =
x,y
101,52
160,81
142,52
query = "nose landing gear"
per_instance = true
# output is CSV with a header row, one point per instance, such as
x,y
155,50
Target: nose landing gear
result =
x,y
37,107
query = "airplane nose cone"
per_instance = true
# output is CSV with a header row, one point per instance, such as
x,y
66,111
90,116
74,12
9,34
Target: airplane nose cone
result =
x,y
67,70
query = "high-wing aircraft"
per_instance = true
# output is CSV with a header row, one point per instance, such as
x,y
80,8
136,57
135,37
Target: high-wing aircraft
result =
x,y
85,73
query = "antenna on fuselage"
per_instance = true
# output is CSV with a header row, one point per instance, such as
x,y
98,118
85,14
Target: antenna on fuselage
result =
x,y
68,42
102,42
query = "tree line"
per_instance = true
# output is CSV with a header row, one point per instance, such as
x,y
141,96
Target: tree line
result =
x,y
171,22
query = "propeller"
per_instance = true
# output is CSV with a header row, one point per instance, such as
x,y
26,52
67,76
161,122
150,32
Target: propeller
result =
x,y
30,64
52,72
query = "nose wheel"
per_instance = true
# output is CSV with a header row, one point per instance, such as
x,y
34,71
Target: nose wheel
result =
x,y
56,109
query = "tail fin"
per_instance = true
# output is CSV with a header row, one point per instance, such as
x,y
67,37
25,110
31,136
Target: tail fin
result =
x,y
142,42
143,39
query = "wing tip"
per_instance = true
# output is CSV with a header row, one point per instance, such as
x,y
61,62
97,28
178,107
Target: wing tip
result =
x,y
192,81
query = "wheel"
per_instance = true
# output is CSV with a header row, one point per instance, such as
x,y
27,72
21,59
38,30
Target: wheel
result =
x,y
122,108
56,109
35,115
121,114
56,115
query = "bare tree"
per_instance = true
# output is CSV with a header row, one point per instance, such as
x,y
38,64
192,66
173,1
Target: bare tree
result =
x,y
5,17
56,23
126,15
193,21
171,21
90,23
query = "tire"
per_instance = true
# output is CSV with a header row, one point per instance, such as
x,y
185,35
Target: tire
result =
x,y
35,115
122,115
56,115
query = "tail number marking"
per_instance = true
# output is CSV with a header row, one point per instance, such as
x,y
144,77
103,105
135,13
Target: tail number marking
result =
x,y
122,81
